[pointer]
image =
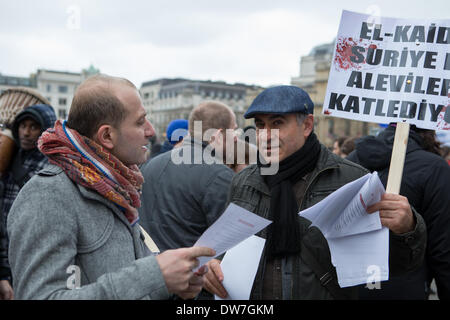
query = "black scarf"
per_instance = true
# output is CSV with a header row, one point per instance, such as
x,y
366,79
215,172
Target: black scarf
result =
x,y
283,236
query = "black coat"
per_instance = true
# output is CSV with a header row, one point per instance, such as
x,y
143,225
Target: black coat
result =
x,y
5,270
426,184
302,278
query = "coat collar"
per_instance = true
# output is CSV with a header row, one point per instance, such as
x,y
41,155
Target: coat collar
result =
x,y
94,195
51,170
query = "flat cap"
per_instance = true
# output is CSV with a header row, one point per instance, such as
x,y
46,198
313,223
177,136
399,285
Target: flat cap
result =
x,y
280,100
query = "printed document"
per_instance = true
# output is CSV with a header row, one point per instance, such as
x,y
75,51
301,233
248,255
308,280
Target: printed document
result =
x,y
359,244
233,226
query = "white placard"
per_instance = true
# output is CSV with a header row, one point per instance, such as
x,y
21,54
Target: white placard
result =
x,y
391,70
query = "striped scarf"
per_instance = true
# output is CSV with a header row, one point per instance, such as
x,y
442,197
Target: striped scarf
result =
x,y
90,165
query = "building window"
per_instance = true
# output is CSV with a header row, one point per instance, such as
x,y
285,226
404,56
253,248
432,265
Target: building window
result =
x,y
62,101
62,113
62,89
331,127
348,127
49,88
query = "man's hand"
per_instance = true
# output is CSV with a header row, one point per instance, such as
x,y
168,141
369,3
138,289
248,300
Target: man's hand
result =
x,y
214,278
195,284
176,267
395,213
6,292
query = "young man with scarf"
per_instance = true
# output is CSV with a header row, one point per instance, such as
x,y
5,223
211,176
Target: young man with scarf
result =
x,y
296,262
74,224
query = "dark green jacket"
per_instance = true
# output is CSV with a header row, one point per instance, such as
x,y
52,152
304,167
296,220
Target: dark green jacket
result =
x,y
300,281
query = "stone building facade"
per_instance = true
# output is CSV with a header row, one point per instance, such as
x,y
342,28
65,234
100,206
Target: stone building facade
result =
x,y
168,99
57,86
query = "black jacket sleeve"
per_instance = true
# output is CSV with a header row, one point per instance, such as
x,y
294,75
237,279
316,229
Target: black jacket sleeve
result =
x,y
407,251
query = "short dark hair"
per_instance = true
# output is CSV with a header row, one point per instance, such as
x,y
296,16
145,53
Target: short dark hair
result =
x,y
95,103
341,140
348,145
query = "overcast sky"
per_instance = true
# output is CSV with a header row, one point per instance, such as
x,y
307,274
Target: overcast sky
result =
x,y
251,41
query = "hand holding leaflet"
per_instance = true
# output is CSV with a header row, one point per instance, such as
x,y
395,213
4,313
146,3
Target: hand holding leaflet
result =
x,y
356,239
233,226
344,211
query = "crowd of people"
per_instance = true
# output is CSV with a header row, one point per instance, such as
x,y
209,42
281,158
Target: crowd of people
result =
x,y
93,194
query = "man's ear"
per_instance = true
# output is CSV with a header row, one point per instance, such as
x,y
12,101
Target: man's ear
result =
x,y
309,124
215,137
106,136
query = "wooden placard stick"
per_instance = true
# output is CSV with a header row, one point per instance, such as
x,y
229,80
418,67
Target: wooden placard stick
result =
x,y
398,158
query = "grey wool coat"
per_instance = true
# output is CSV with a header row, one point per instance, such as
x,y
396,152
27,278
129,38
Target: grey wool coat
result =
x,y
61,233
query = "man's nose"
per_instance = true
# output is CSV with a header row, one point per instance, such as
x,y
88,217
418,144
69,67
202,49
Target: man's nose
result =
x,y
150,131
263,136
268,134
27,131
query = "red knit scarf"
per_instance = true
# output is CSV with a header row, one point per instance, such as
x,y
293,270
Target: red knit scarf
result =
x,y
90,165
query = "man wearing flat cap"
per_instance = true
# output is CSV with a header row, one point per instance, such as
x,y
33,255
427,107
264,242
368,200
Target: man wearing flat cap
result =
x,y
296,261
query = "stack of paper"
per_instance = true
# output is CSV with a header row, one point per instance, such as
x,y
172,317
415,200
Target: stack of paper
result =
x,y
359,245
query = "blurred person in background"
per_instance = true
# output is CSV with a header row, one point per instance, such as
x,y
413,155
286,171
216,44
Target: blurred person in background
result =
x,y
445,152
337,144
347,147
426,184
244,154
175,133
27,127
181,199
